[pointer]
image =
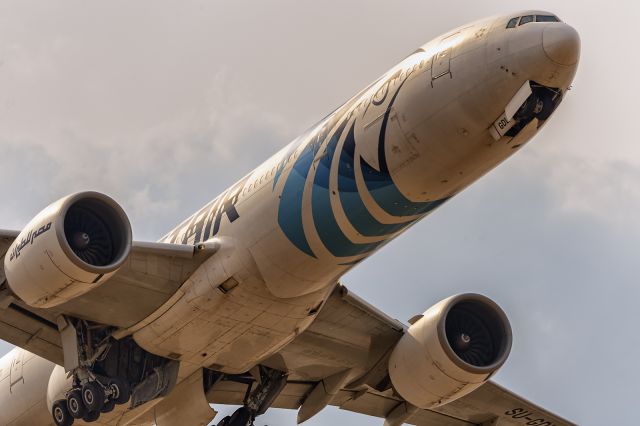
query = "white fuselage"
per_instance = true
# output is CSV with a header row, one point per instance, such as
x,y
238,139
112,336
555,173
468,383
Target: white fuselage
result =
x,y
388,157
24,378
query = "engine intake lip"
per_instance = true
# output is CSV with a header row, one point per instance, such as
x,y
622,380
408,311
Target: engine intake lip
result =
x,y
494,319
115,220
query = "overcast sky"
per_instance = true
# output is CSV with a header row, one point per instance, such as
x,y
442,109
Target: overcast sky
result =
x,y
164,104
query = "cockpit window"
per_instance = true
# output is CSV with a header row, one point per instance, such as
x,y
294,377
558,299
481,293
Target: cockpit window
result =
x,y
513,22
526,19
547,18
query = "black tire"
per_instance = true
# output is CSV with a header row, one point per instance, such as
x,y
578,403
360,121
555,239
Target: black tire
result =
x,y
225,421
548,107
108,406
75,405
242,417
91,416
93,396
61,415
120,390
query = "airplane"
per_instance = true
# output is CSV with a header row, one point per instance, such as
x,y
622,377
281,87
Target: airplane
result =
x,y
242,303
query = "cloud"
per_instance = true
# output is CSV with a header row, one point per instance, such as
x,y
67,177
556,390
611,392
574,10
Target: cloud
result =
x,y
159,174
603,188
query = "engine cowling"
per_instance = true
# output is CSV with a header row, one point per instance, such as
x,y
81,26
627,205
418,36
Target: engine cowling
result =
x,y
450,351
69,248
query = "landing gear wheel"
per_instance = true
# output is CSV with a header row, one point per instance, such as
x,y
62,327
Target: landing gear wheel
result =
x,y
93,396
528,109
91,416
225,421
75,405
242,417
547,107
108,406
119,391
61,415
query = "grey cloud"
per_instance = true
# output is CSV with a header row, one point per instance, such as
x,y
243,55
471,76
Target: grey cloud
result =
x,y
159,174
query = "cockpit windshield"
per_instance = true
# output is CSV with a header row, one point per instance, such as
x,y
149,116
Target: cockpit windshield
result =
x,y
547,18
526,19
521,20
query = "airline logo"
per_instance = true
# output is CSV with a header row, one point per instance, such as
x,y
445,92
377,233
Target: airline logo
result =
x,y
331,149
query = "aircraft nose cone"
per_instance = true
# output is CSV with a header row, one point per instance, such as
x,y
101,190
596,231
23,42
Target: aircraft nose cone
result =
x,y
561,43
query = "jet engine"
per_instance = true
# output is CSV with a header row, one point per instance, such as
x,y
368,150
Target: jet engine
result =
x,y
72,246
450,350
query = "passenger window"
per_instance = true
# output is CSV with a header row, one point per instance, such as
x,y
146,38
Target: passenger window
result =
x,y
526,19
512,23
547,18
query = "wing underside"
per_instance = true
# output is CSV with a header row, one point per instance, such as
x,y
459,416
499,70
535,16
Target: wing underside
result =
x,y
348,334
351,334
150,277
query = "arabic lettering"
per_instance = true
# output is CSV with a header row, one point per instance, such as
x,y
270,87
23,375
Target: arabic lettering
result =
x,y
28,240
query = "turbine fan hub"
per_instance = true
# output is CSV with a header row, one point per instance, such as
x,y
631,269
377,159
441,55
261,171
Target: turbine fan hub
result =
x,y
80,240
89,236
463,341
470,337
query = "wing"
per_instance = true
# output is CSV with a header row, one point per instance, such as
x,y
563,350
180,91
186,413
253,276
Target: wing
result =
x,y
351,334
150,277
348,335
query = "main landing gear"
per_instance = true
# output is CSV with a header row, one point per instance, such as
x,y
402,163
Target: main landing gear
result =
x,y
108,372
88,401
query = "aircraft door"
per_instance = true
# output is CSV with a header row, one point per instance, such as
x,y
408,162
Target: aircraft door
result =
x,y
17,365
442,59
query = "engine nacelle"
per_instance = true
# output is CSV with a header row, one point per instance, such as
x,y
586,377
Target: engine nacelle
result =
x,y
453,349
72,246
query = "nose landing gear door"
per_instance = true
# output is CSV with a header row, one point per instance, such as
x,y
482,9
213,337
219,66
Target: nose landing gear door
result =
x,y
16,369
442,59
